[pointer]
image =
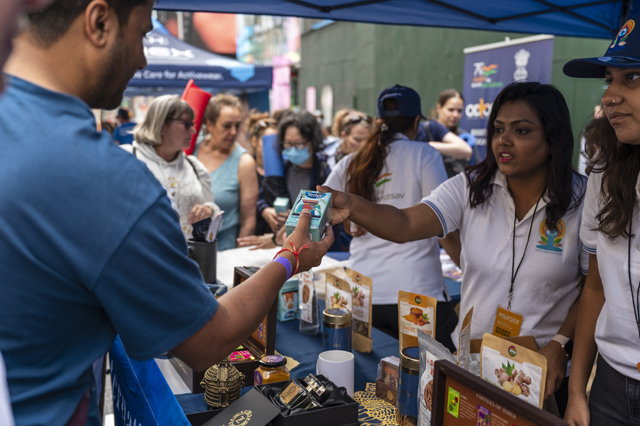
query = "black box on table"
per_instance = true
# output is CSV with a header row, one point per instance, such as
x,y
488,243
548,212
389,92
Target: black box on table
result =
x,y
261,342
255,407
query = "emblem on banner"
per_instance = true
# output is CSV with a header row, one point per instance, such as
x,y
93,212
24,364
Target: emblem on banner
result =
x,y
621,38
522,59
483,76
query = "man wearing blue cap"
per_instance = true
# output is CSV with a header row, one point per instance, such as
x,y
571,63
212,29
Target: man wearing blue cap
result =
x,y
609,315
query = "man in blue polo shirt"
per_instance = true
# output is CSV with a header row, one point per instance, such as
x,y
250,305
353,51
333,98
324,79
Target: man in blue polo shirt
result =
x,y
90,246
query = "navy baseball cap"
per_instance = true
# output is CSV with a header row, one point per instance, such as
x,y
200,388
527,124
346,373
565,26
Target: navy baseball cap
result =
x,y
624,52
408,102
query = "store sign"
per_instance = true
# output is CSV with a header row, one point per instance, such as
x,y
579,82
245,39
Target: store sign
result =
x,y
488,69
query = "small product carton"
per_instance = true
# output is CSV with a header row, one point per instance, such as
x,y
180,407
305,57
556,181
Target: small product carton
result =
x,y
320,205
288,300
281,204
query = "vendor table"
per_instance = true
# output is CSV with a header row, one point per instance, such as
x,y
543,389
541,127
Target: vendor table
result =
x,y
305,349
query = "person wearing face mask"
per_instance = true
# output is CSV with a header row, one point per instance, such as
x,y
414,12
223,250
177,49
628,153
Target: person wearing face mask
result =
x,y
300,140
354,129
518,212
232,169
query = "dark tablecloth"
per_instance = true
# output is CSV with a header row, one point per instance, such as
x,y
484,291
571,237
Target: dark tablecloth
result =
x,y
305,349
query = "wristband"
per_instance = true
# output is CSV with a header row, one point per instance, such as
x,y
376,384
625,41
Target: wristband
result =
x,y
295,253
287,265
273,240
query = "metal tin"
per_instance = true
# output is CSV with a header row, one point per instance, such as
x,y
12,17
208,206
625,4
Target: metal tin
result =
x,y
407,413
337,329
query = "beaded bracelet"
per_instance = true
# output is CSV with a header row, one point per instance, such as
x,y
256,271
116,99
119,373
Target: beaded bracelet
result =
x,y
295,253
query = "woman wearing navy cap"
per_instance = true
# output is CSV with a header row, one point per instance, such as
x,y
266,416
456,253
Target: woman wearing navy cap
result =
x,y
394,170
609,313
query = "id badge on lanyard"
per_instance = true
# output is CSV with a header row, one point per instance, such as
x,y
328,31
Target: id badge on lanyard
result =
x,y
509,323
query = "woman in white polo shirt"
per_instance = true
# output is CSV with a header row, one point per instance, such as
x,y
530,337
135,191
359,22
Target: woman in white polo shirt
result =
x,y
609,314
525,187
392,169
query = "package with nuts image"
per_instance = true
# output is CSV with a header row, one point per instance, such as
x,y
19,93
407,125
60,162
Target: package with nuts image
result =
x,y
430,352
415,312
338,293
309,311
361,287
519,371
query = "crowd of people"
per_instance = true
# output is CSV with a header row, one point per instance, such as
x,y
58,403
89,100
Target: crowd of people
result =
x,y
92,246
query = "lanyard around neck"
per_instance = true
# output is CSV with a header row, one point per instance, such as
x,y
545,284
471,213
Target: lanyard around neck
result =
x,y
513,258
634,301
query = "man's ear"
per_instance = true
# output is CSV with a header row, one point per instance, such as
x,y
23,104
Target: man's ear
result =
x,y
100,22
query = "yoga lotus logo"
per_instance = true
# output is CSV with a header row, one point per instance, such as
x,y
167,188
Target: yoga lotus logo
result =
x,y
383,179
621,38
551,240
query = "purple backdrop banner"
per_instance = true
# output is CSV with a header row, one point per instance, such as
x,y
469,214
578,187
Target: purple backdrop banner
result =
x,y
487,72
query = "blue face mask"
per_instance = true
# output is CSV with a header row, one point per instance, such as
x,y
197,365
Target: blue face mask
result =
x,y
297,156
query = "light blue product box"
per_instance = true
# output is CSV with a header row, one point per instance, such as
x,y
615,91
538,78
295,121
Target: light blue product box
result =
x,y
281,204
288,301
320,205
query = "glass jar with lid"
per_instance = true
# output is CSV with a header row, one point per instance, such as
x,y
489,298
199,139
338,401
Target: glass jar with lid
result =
x,y
272,368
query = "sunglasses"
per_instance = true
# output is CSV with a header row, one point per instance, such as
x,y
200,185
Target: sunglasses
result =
x,y
188,124
355,118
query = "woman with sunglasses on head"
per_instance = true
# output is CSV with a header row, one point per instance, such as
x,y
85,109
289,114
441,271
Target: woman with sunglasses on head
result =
x,y
159,142
232,169
609,314
353,128
391,169
518,213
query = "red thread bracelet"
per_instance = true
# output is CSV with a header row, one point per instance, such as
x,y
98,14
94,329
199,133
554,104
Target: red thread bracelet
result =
x,y
295,253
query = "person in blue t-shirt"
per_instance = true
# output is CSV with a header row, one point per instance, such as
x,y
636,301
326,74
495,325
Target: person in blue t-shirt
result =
x,y
89,243
123,134
9,10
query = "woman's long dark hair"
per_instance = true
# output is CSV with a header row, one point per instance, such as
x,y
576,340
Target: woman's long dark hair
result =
x,y
619,164
552,111
367,164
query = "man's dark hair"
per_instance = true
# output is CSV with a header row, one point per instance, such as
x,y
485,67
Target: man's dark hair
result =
x,y
51,23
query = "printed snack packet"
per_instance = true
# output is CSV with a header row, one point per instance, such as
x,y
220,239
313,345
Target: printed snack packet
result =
x,y
430,352
361,287
309,311
519,371
464,342
338,293
415,312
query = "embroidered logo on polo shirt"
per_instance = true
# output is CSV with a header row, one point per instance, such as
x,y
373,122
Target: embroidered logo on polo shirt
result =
x,y
551,240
